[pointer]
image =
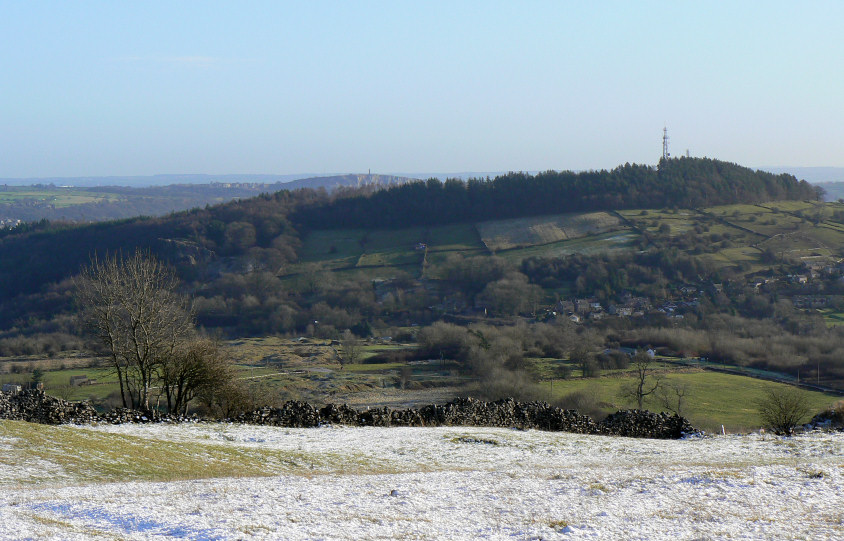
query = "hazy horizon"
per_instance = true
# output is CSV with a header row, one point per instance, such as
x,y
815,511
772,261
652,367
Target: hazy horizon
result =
x,y
811,174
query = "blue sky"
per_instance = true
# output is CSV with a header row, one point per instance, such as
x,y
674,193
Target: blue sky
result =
x,y
120,88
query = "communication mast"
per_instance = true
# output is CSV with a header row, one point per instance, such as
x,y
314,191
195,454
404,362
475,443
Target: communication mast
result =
x,y
665,153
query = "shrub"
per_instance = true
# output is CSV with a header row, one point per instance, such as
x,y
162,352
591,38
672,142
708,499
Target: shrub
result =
x,y
585,401
501,383
782,409
444,339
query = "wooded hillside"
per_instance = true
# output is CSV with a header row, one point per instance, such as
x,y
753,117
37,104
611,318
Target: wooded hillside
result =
x,y
677,182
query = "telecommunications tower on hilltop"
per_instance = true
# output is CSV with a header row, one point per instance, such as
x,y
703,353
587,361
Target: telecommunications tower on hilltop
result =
x,y
665,153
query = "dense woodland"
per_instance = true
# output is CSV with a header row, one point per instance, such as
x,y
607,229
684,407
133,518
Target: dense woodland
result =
x,y
228,258
680,182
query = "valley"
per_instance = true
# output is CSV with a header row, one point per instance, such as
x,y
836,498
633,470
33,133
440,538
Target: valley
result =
x,y
732,302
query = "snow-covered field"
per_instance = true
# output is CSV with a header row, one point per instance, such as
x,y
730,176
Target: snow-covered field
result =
x,y
446,483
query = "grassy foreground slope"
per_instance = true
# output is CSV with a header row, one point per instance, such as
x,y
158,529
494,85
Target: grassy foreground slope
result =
x,y
429,483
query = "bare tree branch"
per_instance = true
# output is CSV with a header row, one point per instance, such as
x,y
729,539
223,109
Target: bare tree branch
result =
x,y
131,306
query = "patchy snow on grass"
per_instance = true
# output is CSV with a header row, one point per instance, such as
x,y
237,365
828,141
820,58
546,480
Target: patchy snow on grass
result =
x,y
451,483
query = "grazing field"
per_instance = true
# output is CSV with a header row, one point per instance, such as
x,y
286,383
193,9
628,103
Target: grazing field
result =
x,y
736,236
614,241
711,398
736,255
794,206
278,369
832,317
678,221
58,197
332,244
520,232
345,249
216,481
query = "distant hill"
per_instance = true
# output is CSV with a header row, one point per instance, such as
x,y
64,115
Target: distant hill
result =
x,y
288,181
353,181
815,175
833,191
58,201
151,180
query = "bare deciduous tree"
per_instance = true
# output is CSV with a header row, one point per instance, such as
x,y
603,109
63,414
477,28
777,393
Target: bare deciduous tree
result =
x,y
350,348
195,366
673,395
132,308
645,382
782,408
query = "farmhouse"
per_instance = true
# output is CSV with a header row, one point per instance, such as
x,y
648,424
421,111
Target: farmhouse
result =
x,y
11,388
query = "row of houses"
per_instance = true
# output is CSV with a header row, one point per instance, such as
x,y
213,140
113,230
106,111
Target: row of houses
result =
x,y
8,223
628,306
16,388
810,301
585,306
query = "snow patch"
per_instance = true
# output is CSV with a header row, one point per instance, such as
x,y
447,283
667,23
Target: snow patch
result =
x,y
455,483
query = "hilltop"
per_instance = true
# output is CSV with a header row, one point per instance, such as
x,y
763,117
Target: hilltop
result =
x,y
676,182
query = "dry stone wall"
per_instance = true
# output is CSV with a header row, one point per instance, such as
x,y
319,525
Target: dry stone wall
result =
x,y
36,406
506,413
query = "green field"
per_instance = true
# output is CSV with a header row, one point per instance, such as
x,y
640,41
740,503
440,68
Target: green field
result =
x,y
794,206
538,230
713,398
346,249
58,197
832,317
278,369
57,382
679,221
613,241
114,457
734,235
